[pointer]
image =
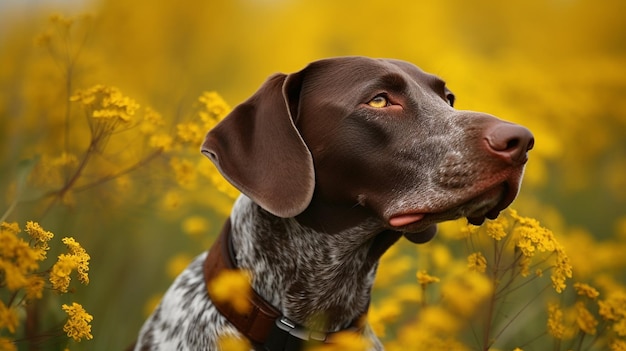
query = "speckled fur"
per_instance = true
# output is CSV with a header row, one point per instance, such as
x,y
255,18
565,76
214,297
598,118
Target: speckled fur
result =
x,y
327,273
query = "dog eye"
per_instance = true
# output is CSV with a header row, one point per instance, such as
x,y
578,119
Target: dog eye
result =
x,y
450,97
379,101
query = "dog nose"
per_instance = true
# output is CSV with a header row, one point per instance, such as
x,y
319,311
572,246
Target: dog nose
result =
x,y
510,142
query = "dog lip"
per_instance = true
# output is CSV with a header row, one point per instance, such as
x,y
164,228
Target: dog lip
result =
x,y
507,197
502,195
405,219
510,193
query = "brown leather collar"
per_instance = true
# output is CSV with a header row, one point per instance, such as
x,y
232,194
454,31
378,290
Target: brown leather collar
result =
x,y
263,325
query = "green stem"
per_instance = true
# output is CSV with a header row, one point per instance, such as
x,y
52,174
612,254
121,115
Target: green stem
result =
x,y
492,301
74,178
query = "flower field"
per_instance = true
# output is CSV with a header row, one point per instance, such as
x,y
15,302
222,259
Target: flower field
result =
x,y
105,197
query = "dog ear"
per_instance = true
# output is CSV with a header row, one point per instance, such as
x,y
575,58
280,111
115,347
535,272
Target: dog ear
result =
x,y
258,149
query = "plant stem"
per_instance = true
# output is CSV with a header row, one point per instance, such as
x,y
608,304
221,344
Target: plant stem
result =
x,y
74,178
492,301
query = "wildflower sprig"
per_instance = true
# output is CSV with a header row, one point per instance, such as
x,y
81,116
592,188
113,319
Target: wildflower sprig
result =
x,y
77,326
473,304
76,259
107,111
506,250
22,274
591,319
105,136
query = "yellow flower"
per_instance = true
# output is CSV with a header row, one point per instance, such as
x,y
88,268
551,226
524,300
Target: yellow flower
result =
x,y
177,264
618,345
476,262
37,233
214,109
407,293
184,171
58,19
107,105
614,307
64,160
585,320
161,142
532,238
393,268
232,286
425,279
34,287
382,313
527,247
190,133
208,170
233,343
77,259
82,257
8,318
619,327
13,277
13,227
195,225
440,256
344,341
583,289
17,258
556,323
439,320
465,293
495,229
152,120
172,200
7,345
152,303
60,273
40,236
524,265
561,271
77,326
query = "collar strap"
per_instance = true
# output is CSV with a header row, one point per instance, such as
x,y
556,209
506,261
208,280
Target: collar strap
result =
x,y
263,325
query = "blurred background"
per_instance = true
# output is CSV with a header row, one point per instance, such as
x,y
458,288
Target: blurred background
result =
x,y
555,66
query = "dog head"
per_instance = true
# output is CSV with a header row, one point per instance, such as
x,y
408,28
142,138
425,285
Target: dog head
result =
x,y
351,138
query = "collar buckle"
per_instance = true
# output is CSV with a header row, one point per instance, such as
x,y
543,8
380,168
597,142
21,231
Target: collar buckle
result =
x,y
286,335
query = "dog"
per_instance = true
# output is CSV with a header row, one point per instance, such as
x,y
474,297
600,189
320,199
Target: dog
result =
x,y
335,163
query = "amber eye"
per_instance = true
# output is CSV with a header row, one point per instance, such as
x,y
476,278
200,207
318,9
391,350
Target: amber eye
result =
x,y
379,101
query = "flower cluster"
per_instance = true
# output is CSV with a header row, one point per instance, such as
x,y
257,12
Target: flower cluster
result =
x,y
232,286
107,106
19,260
466,305
76,259
21,274
530,245
77,326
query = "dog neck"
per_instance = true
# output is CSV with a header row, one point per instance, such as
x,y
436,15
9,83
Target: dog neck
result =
x,y
319,280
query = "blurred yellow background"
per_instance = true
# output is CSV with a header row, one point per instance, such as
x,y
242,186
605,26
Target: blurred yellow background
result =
x,y
555,66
